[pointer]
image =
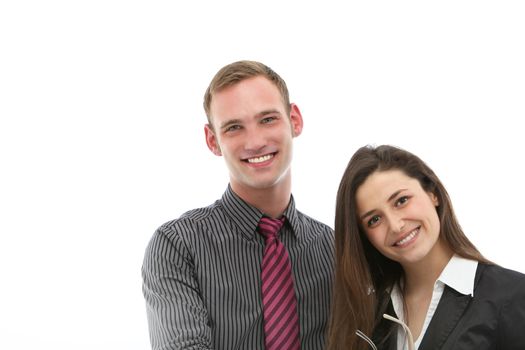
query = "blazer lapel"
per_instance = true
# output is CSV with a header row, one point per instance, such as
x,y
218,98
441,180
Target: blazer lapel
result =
x,y
385,334
450,309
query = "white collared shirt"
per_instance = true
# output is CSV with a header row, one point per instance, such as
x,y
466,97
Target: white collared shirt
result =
x,y
459,274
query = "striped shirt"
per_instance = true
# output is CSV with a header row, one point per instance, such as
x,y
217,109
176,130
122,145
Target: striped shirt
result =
x,y
201,277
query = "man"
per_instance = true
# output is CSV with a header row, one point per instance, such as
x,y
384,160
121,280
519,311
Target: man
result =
x,y
206,274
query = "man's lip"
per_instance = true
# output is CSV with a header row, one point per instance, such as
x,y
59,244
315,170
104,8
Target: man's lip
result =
x,y
271,154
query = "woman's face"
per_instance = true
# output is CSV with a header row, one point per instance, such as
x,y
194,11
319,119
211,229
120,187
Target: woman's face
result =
x,y
399,217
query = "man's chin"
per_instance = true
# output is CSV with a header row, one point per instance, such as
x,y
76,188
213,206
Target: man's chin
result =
x,y
259,184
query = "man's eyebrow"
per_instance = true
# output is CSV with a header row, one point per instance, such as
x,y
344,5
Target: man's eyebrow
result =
x,y
392,196
261,114
268,111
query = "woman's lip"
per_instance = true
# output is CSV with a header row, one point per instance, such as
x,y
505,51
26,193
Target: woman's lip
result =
x,y
407,238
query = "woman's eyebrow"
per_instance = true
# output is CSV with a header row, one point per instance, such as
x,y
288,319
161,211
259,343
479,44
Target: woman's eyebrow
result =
x,y
394,195
368,213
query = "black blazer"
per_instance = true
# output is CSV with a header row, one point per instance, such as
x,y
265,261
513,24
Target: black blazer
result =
x,y
493,319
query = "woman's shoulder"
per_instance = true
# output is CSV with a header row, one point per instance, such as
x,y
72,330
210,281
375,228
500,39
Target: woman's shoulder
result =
x,y
499,279
500,271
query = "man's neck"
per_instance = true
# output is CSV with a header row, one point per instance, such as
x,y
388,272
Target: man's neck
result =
x,y
271,201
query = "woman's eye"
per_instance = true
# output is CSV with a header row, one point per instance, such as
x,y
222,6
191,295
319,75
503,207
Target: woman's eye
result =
x,y
373,221
401,201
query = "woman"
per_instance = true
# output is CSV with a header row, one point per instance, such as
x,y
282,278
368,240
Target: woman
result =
x,y
401,252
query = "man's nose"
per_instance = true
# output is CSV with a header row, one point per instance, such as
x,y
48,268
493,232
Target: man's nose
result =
x,y
254,140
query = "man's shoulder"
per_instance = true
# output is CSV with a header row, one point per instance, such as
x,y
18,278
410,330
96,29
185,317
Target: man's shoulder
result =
x,y
314,224
311,221
192,220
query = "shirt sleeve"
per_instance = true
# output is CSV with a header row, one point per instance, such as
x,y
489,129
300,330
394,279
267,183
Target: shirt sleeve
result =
x,y
177,317
512,319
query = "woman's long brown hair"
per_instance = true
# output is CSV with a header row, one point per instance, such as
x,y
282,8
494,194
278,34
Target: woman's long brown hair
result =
x,y
363,276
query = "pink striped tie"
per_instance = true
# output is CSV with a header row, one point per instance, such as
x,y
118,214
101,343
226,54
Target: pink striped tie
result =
x,y
281,322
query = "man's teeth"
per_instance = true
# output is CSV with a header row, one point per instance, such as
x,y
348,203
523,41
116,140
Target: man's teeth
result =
x,y
260,159
408,238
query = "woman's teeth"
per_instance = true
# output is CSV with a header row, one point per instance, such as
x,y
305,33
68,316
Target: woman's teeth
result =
x,y
409,237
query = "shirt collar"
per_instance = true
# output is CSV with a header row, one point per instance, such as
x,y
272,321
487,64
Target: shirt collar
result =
x,y
460,274
247,217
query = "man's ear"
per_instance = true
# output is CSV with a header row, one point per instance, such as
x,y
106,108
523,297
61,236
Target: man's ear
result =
x,y
296,119
211,140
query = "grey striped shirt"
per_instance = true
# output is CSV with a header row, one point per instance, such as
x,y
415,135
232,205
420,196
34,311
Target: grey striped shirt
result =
x,y
201,277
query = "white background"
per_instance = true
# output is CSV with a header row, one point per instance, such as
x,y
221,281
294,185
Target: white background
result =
x,y
101,133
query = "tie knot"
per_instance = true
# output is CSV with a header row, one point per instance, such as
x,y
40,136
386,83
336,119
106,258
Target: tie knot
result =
x,y
269,227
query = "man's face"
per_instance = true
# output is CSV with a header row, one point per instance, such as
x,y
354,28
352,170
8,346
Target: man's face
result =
x,y
252,130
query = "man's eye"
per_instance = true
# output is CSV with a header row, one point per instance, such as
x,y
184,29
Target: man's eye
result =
x,y
373,221
233,128
268,120
401,201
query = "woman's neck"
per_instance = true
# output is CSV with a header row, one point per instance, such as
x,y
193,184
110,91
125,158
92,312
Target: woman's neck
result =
x,y
422,275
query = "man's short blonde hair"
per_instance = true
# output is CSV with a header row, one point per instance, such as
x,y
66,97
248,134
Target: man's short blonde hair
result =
x,y
238,71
